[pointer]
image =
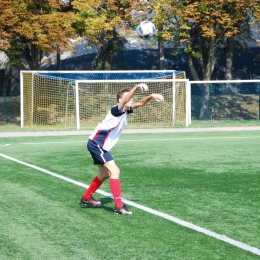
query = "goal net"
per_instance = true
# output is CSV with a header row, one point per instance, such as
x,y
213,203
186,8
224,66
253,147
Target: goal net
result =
x,y
67,100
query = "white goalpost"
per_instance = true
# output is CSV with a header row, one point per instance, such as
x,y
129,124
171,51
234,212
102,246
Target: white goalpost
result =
x,y
171,112
69,99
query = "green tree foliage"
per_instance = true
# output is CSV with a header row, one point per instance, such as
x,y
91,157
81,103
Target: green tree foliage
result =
x,y
110,46
99,23
201,28
30,27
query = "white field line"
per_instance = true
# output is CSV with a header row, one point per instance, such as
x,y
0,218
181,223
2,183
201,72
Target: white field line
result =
x,y
207,232
149,140
132,131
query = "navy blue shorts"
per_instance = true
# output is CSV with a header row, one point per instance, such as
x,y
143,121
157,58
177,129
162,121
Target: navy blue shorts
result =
x,y
99,155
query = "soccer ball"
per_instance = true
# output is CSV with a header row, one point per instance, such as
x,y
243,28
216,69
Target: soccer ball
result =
x,y
65,2
146,30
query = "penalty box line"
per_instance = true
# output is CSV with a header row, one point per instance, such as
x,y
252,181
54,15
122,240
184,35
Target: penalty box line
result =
x,y
183,223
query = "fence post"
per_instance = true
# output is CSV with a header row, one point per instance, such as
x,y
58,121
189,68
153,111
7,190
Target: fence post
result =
x,y
4,103
210,102
3,92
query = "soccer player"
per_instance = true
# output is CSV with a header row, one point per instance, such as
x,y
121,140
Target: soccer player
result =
x,y
104,137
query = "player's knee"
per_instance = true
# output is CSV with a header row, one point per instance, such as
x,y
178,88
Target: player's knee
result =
x,y
113,169
115,173
104,175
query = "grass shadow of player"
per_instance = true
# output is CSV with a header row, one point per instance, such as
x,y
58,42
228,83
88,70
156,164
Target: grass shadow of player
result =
x,y
103,206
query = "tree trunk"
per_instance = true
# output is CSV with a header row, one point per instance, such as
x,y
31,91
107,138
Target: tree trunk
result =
x,y
108,64
8,85
191,66
205,88
33,56
161,64
229,62
204,109
211,60
207,72
205,102
104,57
58,61
161,55
108,58
2,81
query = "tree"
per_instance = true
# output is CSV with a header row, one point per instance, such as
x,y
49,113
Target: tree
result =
x,y
30,27
161,64
105,55
99,22
201,28
107,25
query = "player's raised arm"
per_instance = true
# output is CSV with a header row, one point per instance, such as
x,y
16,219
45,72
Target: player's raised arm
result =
x,y
125,98
143,101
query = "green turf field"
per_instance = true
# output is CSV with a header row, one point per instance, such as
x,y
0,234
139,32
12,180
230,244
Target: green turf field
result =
x,y
207,179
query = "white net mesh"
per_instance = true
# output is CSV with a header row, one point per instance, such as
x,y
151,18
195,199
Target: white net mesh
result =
x,y
49,99
97,98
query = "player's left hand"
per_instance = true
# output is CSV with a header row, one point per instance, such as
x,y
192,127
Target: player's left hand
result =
x,y
158,97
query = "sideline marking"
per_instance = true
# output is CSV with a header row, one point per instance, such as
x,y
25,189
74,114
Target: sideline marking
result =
x,y
4,144
207,232
159,139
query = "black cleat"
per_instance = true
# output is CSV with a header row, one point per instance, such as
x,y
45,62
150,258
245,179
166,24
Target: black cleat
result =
x,y
90,201
123,211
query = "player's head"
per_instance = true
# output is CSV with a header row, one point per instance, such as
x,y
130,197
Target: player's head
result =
x,y
121,92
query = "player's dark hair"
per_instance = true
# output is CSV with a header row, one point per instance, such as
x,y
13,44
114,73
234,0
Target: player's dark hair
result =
x,y
120,92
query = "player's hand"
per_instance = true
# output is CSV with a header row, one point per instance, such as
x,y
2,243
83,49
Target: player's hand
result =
x,y
142,87
158,97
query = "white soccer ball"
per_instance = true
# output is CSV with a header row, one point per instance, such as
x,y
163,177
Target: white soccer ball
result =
x,y
65,2
146,30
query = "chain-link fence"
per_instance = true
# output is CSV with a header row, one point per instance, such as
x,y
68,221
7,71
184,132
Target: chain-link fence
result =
x,y
225,101
9,98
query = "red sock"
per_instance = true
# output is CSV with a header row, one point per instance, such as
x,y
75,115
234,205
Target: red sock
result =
x,y
116,191
95,184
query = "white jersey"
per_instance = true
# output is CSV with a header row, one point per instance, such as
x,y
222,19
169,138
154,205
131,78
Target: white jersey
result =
x,y
109,130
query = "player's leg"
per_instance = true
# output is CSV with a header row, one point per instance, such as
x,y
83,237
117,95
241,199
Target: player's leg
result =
x,y
114,182
104,173
87,198
99,157
115,187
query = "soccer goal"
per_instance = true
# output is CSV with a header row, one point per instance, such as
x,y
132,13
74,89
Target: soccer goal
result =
x,y
69,99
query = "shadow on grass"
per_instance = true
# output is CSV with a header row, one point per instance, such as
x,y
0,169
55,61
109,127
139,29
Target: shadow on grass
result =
x,y
104,201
